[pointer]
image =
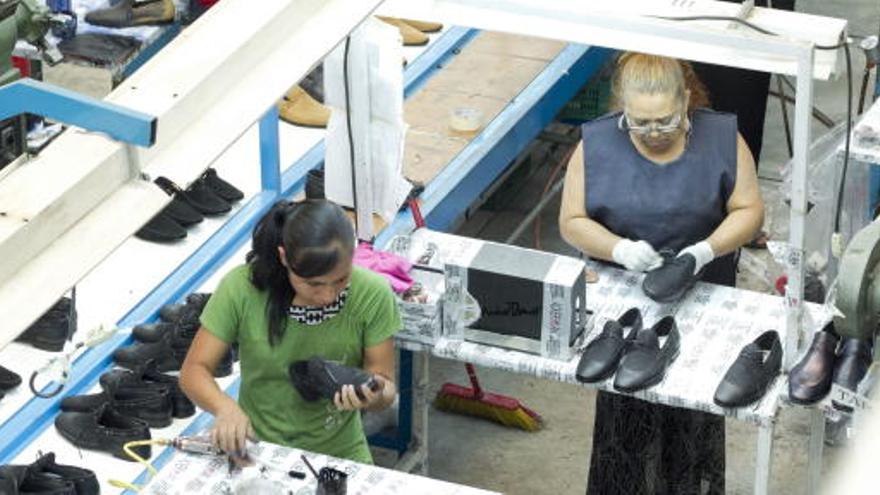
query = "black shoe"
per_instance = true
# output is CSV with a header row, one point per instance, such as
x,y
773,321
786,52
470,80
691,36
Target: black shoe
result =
x,y
644,363
221,187
201,198
84,481
151,332
187,313
317,378
8,379
853,360
754,370
182,212
149,378
601,357
151,406
43,484
670,282
161,228
810,380
166,355
52,330
105,430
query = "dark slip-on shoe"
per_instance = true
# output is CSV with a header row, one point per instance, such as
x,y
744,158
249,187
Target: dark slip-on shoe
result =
x,y
601,357
671,281
318,378
645,361
853,360
754,370
810,380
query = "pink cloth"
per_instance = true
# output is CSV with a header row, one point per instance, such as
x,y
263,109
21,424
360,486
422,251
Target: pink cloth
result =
x,y
389,265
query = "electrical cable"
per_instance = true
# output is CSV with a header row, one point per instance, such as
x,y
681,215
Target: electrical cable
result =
x,y
345,81
134,456
847,139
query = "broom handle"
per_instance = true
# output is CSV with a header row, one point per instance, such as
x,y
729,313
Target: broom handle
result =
x,y
475,383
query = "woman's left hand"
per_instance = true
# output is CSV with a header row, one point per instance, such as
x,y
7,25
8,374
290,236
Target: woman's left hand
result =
x,y
347,399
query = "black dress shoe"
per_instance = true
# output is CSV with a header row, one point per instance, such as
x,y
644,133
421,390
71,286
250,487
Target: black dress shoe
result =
x,y
105,430
645,362
43,484
8,379
853,360
151,406
166,355
753,371
602,355
149,378
810,380
221,187
672,280
151,332
83,480
182,212
53,329
317,378
201,198
161,228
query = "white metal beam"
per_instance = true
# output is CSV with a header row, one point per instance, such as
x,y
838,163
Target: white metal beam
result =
x,y
629,25
206,88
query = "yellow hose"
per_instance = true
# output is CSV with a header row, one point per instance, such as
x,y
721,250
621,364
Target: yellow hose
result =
x,y
127,449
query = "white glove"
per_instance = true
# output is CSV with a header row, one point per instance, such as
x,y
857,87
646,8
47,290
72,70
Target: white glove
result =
x,y
637,256
702,252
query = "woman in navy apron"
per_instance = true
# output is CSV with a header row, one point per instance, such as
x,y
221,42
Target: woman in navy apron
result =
x,y
659,176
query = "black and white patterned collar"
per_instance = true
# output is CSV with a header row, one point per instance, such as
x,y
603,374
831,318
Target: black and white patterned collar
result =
x,y
315,315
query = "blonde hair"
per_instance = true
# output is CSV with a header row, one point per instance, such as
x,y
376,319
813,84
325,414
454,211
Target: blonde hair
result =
x,y
653,74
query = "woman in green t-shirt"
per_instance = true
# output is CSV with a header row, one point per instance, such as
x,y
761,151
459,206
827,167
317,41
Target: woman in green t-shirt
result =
x,y
296,297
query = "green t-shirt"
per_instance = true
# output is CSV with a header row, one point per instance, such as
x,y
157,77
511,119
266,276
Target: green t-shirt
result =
x,y
236,312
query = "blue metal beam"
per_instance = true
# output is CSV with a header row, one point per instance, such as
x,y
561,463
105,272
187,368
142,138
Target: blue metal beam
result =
x,y
56,103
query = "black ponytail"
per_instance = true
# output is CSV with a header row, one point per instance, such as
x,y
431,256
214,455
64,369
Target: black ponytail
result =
x,y
315,234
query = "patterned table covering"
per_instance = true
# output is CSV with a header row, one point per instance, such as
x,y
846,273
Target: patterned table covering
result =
x,y
715,322
189,474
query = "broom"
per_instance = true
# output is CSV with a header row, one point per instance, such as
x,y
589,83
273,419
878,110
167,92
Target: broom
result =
x,y
473,401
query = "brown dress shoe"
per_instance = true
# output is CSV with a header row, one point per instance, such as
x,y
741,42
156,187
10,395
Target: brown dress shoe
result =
x,y
298,108
424,26
129,13
411,36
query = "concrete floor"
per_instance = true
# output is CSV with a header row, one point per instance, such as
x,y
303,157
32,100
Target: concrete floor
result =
x,y
555,460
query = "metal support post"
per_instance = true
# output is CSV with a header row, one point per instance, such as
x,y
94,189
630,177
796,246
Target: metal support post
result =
x,y
764,459
794,292
816,445
270,154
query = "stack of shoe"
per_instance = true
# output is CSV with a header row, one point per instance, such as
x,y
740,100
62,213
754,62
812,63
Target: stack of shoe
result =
x,y
167,341
8,380
47,477
130,13
208,196
53,329
829,360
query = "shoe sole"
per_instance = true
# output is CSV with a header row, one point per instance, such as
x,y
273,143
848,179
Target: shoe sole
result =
x,y
801,402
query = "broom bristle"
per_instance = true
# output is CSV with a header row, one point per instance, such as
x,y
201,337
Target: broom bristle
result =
x,y
519,417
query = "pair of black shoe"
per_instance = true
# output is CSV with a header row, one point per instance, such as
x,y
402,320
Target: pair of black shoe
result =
x,y
829,360
167,341
8,380
208,196
45,476
672,280
105,429
638,359
53,329
317,378
145,394
751,373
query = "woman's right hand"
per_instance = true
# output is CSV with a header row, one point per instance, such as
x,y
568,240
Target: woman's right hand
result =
x,y
637,256
232,429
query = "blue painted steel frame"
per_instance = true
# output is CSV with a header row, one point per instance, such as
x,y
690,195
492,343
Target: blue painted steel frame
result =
x,y
57,103
35,416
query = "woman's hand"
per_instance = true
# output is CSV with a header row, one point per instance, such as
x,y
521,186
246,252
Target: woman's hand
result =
x,y
636,256
232,428
347,399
